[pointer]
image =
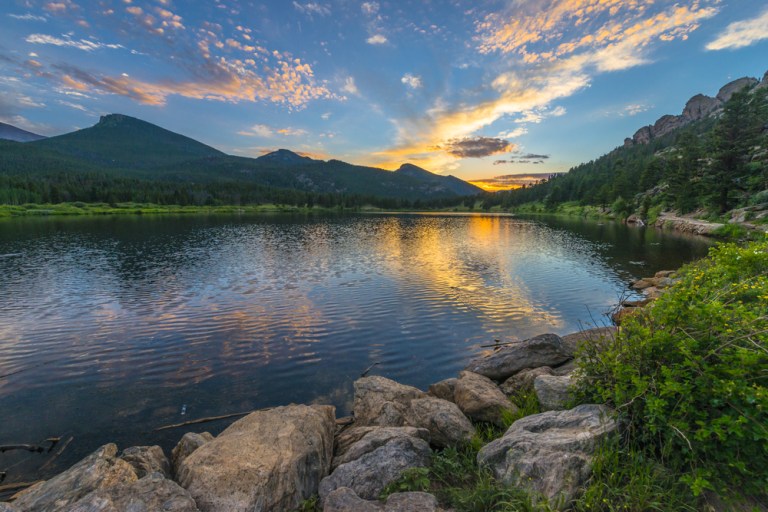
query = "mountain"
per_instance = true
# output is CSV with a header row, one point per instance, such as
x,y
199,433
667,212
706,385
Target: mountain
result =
x,y
697,108
124,142
284,157
10,132
451,183
120,148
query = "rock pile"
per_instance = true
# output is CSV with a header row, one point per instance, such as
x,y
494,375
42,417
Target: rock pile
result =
x,y
275,459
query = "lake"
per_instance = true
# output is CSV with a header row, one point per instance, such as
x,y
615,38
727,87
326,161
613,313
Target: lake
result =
x,y
111,327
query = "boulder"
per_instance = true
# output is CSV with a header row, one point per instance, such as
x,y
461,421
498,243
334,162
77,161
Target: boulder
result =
x,y
368,475
565,369
552,391
443,389
344,499
373,438
100,470
522,381
480,398
7,507
665,273
411,502
146,460
189,442
152,493
666,124
381,401
699,107
573,341
446,423
346,438
550,454
271,460
642,284
542,350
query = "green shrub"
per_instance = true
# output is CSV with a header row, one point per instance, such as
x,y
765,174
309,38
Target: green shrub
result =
x,y
689,376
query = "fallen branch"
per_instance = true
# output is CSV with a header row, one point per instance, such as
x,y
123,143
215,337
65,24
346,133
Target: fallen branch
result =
x,y
205,420
56,455
369,369
31,447
18,486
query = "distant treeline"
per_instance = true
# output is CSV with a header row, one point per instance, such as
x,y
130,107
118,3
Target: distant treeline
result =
x,y
94,187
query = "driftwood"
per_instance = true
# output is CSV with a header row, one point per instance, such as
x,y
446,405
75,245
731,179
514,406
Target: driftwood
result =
x,y
56,455
205,420
31,447
369,369
498,343
18,486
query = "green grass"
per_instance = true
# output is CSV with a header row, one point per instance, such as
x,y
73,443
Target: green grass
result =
x,y
568,209
40,210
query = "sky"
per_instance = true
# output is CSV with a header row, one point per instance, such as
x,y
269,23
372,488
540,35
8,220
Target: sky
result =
x,y
481,89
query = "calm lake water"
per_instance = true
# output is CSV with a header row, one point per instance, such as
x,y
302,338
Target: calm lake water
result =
x,y
111,327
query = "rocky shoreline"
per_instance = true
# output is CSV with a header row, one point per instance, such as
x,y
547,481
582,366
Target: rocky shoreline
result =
x,y
275,459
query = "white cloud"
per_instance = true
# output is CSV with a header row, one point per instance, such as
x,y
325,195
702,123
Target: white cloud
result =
x,y
370,8
742,33
82,44
377,39
311,8
28,17
412,81
257,130
513,134
350,87
326,116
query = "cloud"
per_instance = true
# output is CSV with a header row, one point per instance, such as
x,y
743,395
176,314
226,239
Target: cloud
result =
x,y
292,132
311,8
370,8
546,51
741,33
412,81
533,156
81,44
476,147
28,17
325,116
350,87
510,181
376,39
513,134
257,130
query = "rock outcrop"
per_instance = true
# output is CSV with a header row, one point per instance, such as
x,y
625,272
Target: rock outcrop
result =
x,y
542,350
189,442
152,493
146,460
550,454
100,470
480,399
522,381
697,108
271,460
446,423
444,389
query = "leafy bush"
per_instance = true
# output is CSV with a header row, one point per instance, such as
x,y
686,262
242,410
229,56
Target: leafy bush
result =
x,y
688,376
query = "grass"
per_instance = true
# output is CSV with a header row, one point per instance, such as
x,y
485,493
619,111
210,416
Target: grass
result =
x,y
569,209
41,210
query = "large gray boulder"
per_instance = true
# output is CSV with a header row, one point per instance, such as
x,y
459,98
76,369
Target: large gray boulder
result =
x,y
369,474
598,335
152,493
482,400
550,454
372,438
344,499
522,382
381,401
271,460
542,350
444,389
553,391
188,443
384,402
100,470
445,422
728,90
146,460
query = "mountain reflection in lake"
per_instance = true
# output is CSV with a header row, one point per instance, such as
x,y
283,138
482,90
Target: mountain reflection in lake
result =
x,y
110,327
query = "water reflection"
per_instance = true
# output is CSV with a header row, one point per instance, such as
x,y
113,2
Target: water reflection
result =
x,y
109,326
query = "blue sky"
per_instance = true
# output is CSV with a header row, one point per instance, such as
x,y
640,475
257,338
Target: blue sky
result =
x,y
454,86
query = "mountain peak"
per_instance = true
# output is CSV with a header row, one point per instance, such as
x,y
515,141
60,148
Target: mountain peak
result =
x,y
284,156
10,132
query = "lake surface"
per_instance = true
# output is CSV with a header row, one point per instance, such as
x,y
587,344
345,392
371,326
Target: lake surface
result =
x,y
111,327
